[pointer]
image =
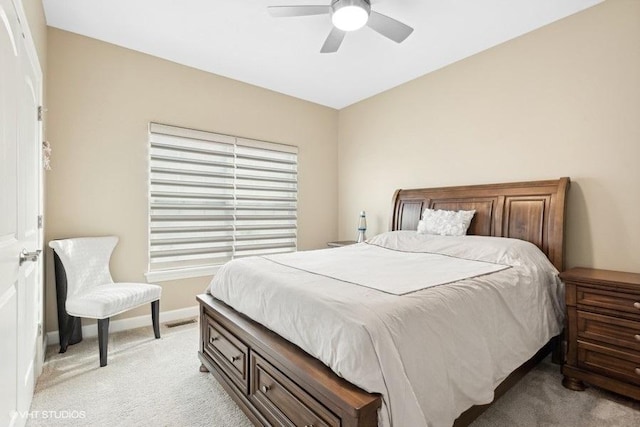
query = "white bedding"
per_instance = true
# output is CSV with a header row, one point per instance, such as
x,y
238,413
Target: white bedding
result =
x,y
431,354
391,271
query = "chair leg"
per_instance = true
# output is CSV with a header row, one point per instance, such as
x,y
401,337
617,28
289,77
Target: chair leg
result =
x,y
103,340
67,331
155,308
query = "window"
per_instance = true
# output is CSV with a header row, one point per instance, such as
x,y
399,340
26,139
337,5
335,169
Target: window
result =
x,y
213,198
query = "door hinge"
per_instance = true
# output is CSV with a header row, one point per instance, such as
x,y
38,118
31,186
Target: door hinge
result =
x,y
39,221
41,111
39,329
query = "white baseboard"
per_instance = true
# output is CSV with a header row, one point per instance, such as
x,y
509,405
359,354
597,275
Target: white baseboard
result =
x,y
89,331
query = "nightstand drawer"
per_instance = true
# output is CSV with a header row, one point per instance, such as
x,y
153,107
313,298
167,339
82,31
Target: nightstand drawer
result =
x,y
609,301
624,365
607,329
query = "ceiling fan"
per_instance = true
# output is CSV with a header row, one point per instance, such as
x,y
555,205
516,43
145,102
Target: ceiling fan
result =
x,y
348,15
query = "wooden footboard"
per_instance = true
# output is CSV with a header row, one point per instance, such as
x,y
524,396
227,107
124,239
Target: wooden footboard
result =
x,y
277,384
273,381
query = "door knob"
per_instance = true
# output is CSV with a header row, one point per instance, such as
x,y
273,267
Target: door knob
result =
x,y
29,256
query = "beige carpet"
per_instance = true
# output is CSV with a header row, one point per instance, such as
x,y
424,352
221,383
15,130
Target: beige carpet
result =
x,y
147,382
152,382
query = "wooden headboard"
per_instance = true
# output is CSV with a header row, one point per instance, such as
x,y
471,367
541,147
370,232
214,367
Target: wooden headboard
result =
x,y
532,211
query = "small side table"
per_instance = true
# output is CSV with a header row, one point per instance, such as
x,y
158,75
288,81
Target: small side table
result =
x,y
603,330
341,243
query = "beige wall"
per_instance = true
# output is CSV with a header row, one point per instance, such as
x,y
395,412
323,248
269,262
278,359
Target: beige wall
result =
x,y
561,101
101,100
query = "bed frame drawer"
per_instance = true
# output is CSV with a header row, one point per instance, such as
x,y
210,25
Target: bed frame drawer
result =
x,y
282,402
308,393
231,354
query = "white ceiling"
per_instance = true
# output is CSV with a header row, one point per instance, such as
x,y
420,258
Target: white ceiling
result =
x,y
240,40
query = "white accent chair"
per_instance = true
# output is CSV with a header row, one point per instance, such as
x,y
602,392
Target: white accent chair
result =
x,y
91,292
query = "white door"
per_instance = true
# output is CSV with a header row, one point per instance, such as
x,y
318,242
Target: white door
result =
x,y
20,206
30,273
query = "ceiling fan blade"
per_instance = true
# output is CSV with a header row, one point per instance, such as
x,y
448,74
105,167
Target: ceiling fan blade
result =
x,y
389,27
285,11
333,41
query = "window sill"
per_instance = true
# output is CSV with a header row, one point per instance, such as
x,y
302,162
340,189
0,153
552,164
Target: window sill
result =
x,y
181,273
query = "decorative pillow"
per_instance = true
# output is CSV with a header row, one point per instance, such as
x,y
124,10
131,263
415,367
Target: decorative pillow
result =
x,y
445,223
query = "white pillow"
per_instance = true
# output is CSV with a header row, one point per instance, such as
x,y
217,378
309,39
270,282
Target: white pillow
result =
x,y
445,223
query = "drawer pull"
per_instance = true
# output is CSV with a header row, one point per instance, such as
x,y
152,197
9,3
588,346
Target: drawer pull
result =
x,y
235,358
212,339
265,388
637,337
637,371
637,305
308,425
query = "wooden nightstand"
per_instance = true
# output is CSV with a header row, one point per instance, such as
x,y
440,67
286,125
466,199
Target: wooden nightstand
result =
x,y
603,330
340,243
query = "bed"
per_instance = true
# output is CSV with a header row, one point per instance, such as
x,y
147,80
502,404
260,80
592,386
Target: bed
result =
x,y
276,382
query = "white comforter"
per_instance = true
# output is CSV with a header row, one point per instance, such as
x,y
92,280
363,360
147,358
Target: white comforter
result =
x,y
431,354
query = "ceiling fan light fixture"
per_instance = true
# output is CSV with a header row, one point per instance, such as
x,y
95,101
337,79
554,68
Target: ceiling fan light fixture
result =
x,y
350,15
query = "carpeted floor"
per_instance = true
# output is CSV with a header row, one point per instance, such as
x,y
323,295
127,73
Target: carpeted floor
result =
x,y
540,400
147,382
152,382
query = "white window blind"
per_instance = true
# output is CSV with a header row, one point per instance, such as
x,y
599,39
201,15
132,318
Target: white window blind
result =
x,y
217,197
